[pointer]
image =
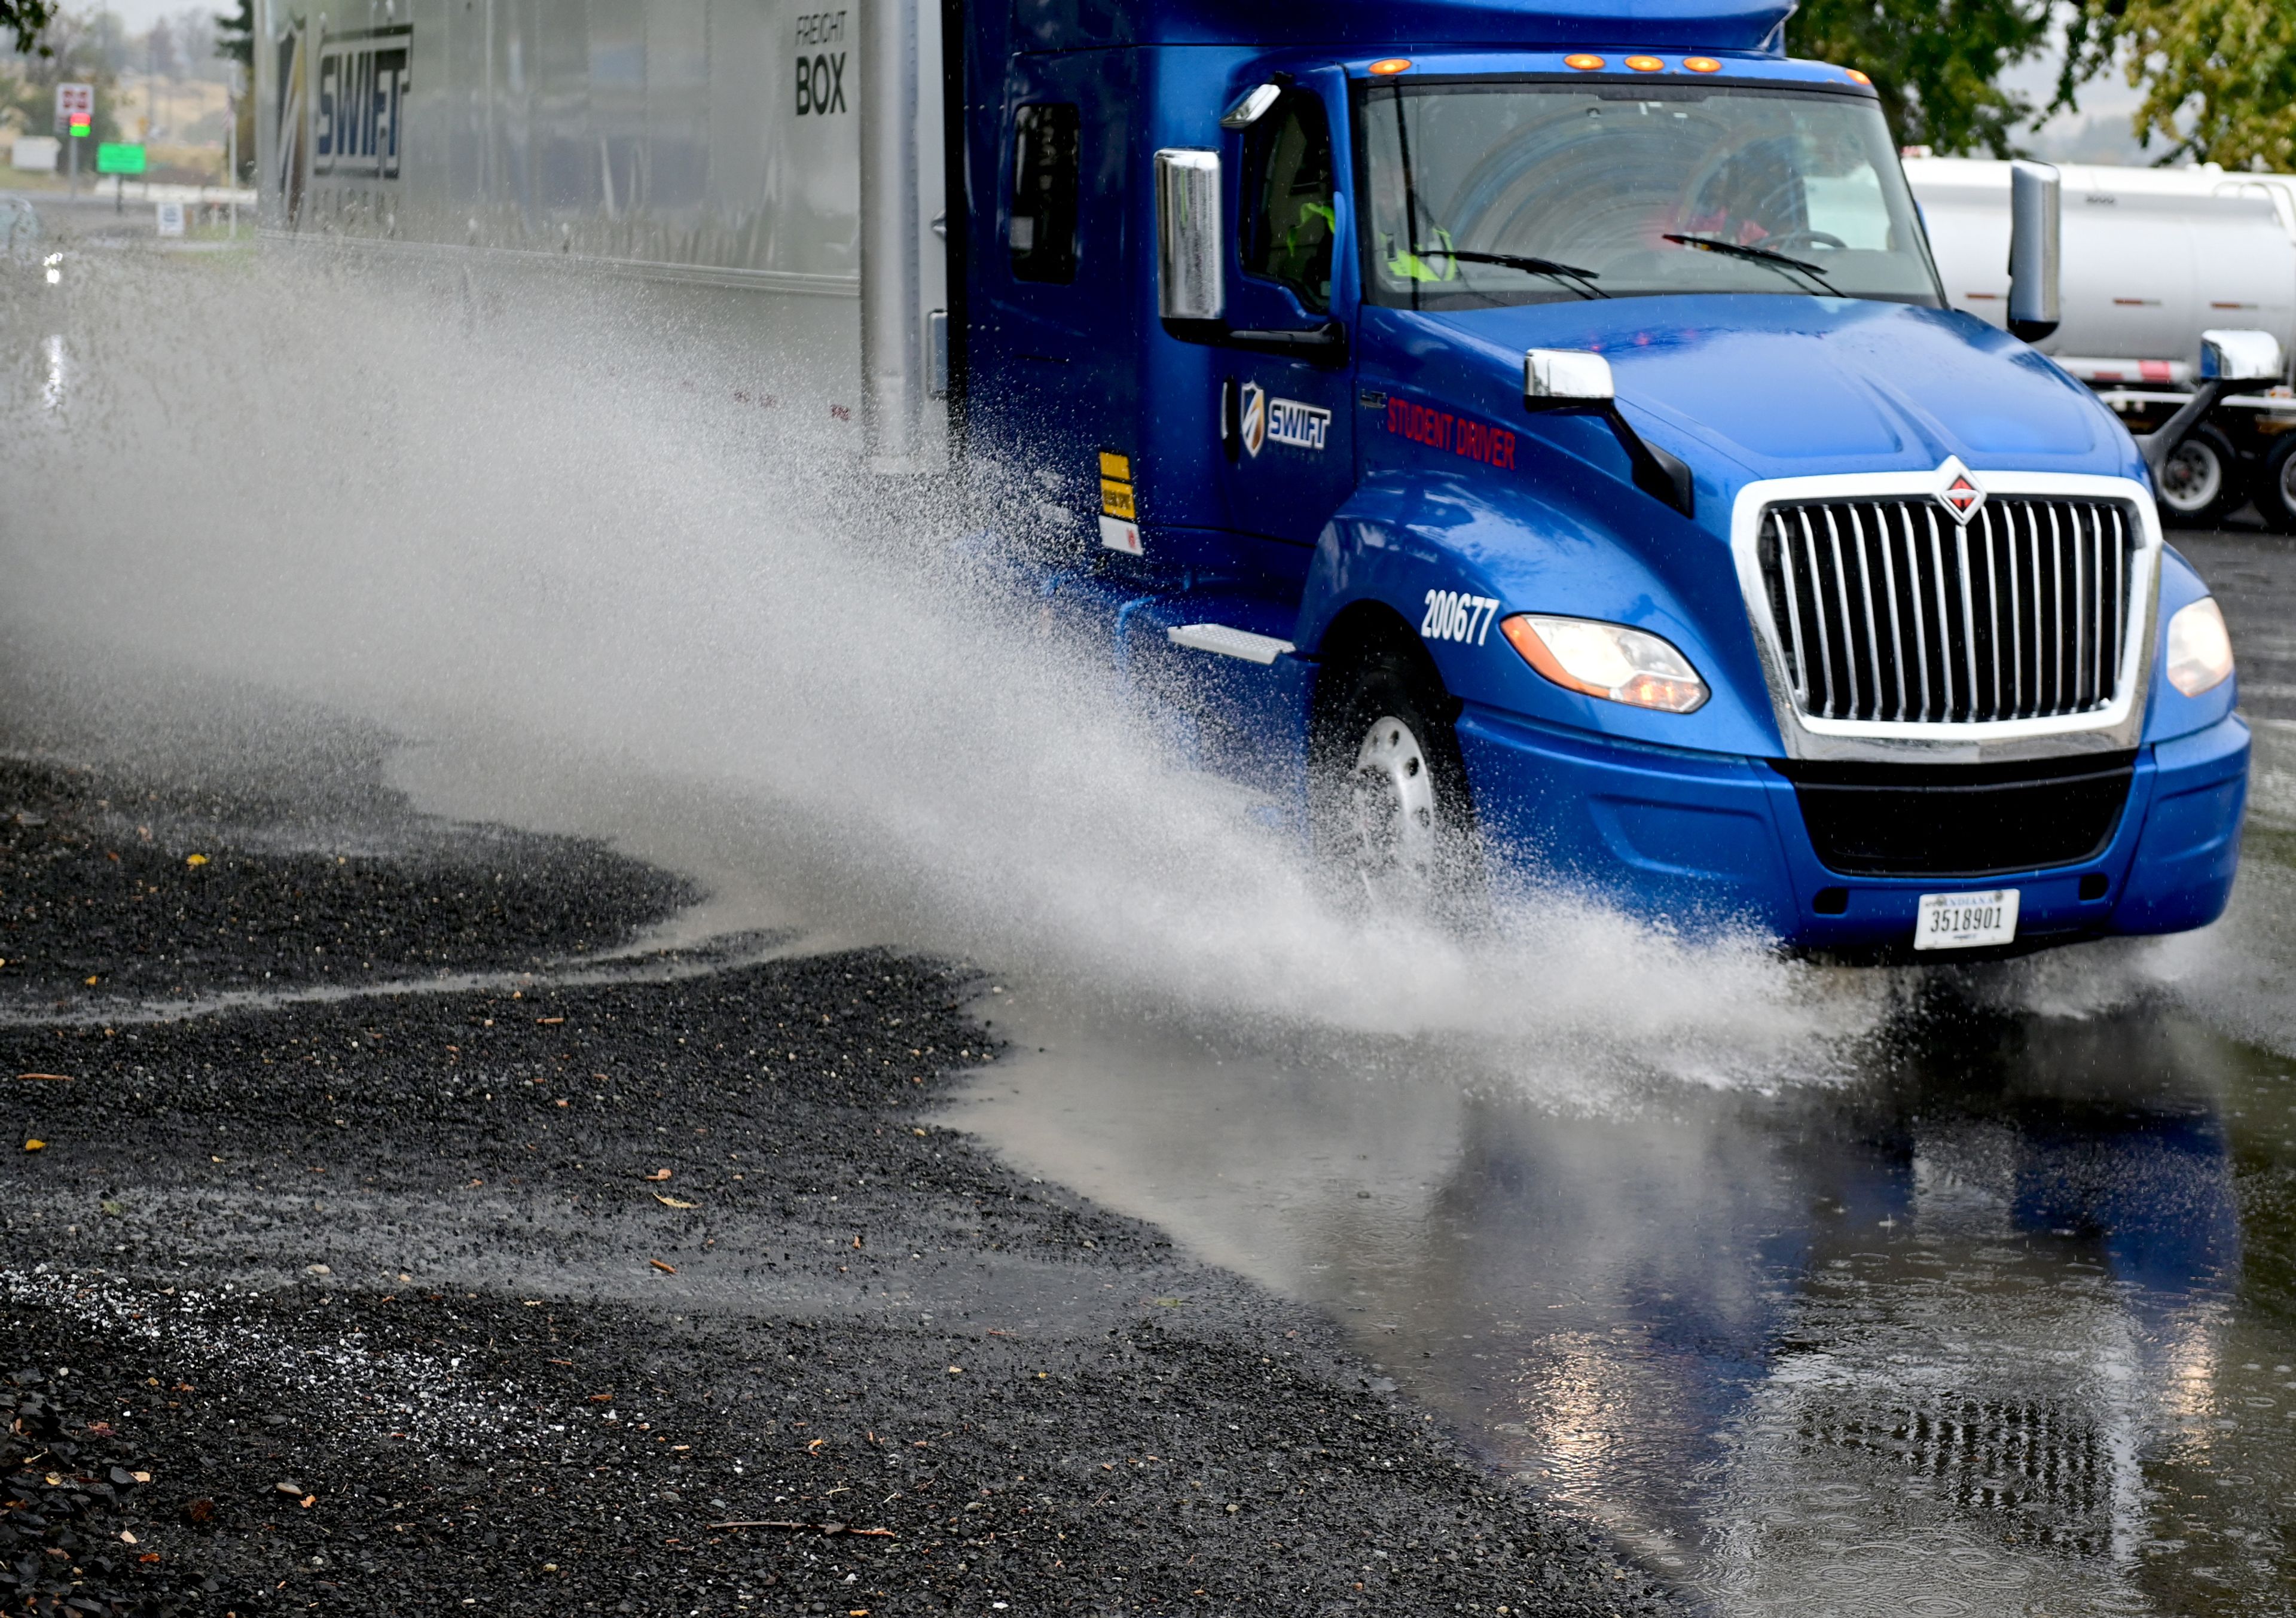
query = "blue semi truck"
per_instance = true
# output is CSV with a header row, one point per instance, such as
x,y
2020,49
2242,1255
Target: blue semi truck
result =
x,y
1530,441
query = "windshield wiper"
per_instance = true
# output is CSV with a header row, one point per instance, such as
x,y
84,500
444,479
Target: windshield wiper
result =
x,y
1521,261
1757,255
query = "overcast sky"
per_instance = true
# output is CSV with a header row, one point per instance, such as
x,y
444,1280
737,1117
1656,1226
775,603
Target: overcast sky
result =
x,y
139,15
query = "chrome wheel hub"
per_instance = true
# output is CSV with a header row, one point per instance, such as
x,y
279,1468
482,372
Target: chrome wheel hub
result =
x,y
2192,477
1391,803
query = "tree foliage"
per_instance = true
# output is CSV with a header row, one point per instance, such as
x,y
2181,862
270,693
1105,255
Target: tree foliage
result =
x,y
2218,78
28,20
1935,64
236,34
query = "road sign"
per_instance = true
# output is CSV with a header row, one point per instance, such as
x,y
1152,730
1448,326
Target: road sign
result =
x,y
171,218
118,157
75,107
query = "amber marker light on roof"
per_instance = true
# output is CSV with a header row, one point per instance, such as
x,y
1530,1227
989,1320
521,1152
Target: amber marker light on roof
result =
x,y
1584,65
1856,76
1645,64
1701,64
1391,64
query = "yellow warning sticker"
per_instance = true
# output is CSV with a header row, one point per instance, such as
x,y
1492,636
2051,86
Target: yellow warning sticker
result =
x,y
1118,467
1116,498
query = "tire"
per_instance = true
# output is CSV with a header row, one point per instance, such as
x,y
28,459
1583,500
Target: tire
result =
x,y
1393,821
2202,483
2275,486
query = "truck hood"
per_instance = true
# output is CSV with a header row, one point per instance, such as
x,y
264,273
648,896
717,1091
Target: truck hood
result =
x,y
1791,386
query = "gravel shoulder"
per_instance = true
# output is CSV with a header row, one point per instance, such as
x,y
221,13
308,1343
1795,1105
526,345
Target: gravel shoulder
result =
x,y
487,1260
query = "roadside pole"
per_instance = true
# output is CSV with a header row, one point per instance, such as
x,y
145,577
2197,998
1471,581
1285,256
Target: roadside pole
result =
x,y
74,115
231,143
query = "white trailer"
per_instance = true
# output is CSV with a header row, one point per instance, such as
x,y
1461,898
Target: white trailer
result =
x,y
792,153
2152,258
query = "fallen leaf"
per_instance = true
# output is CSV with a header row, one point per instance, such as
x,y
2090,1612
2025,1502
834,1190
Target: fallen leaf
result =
x,y
93,982
665,1268
149,1555
956,1370
307,1501
671,1201
36,1146
659,1175
126,1538
140,1477
195,859
812,1445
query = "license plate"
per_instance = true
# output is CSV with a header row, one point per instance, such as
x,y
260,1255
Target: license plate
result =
x,y
1965,921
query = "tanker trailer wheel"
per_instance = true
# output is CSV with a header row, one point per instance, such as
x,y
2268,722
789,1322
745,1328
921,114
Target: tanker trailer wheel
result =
x,y
2200,485
1392,821
2276,488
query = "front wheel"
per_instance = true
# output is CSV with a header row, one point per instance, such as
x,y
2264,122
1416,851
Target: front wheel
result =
x,y
1392,817
2200,485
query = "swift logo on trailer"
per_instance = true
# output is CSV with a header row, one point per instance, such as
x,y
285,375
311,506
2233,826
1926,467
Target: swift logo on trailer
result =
x,y
1268,420
361,93
1957,491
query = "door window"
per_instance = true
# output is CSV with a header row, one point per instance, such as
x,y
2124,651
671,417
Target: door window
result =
x,y
1288,218
1042,236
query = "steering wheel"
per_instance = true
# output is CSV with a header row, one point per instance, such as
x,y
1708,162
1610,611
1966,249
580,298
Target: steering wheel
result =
x,y
1806,238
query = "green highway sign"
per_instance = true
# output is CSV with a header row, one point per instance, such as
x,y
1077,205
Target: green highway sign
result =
x,y
117,157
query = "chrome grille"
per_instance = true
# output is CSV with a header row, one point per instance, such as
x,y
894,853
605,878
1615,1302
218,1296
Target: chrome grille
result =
x,y
1890,611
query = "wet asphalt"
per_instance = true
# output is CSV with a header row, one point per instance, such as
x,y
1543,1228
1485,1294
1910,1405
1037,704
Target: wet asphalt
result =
x,y
415,1225
389,1228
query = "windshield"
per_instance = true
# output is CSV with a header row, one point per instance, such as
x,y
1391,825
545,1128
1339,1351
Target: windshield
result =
x,y
1525,193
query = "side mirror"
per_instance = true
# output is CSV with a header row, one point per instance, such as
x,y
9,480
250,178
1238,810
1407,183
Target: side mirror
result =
x,y
1579,382
1566,376
2033,255
1252,107
1189,249
2241,357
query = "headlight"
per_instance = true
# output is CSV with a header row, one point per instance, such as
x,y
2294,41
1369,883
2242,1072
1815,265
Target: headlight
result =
x,y
2200,651
1608,660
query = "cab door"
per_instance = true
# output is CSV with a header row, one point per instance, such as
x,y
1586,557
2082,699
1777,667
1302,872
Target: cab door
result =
x,y
1287,383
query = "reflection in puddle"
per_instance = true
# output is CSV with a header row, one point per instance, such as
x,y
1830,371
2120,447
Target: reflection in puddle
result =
x,y
51,372
2000,1327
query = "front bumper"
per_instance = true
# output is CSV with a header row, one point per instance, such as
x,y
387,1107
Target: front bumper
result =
x,y
1709,841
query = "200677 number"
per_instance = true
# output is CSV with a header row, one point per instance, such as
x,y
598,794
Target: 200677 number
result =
x,y
1452,616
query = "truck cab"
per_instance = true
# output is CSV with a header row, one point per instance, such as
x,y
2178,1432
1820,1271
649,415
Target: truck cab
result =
x,y
1531,447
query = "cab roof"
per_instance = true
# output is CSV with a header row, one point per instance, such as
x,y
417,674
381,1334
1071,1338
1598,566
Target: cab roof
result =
x,y
1355,25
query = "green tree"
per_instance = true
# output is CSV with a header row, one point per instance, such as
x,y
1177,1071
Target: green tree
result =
x,y
28,20
2218,78
1935,64
236,34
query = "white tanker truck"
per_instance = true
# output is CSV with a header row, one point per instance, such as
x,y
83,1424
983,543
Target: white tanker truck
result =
x,y
2151,260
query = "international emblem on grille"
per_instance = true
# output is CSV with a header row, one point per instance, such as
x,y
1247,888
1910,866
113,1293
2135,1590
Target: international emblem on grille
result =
x,y
1958,492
